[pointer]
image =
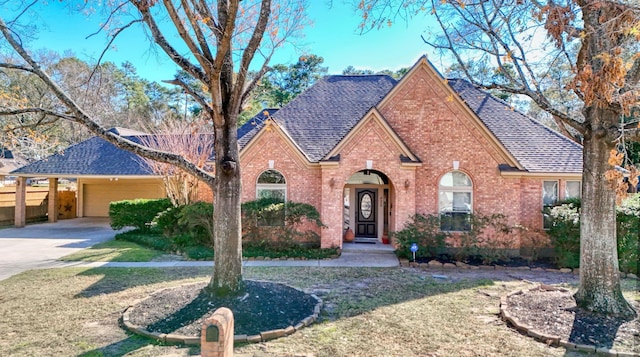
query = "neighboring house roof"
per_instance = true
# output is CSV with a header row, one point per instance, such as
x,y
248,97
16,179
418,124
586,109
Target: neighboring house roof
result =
x,y
9,161
92,157
536,147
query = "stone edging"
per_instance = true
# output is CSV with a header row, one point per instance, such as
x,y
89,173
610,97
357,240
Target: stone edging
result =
x,y
434,264
554,341
191,340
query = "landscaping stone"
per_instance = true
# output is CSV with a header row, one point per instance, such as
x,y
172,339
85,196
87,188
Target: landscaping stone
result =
x,y
565,270
606,351
434,263
272,335
586,348
173,338
240,339
254,339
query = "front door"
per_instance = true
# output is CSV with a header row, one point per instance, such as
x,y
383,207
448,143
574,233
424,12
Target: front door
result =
x,y
366,212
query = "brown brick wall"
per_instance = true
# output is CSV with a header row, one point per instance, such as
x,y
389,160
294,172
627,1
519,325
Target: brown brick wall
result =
x,y
436,128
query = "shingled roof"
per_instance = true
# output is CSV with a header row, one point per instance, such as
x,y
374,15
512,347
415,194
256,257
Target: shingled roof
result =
x,y
321,116
536,147
92,157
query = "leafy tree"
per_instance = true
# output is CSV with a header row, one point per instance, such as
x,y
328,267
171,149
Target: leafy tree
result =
x,y
602,75
283,83
215,43
351,70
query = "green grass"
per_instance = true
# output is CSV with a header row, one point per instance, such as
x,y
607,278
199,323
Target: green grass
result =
x,y
114,251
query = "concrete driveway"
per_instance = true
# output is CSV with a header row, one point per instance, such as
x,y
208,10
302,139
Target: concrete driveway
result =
x,y
39,245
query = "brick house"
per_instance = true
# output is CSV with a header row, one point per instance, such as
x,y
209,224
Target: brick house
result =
x,y
369,152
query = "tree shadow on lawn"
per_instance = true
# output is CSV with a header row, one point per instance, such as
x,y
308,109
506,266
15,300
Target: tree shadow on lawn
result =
x,y
119,279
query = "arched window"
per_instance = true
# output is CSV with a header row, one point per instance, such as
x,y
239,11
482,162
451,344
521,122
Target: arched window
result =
x,y
455,201
272,184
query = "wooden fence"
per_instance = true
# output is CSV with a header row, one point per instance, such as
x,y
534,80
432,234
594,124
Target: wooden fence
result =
x,y
37,201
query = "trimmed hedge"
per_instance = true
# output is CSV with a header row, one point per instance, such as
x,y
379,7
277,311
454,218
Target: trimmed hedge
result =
x,y
136,213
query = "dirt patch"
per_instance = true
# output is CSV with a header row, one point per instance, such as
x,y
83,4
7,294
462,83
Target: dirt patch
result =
x,y
554,313
264,306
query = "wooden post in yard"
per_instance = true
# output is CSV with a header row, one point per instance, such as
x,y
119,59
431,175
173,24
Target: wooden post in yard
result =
x,y
52,209
21,202
216,339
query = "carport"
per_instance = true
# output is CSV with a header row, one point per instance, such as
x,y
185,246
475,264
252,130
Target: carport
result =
x,y
103,172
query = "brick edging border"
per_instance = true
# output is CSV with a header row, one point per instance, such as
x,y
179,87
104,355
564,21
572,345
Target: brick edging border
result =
x,y
191,340
551,340
434,264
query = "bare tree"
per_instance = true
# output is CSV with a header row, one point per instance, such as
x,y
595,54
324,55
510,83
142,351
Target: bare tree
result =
x,y
215,43
189,140
523,43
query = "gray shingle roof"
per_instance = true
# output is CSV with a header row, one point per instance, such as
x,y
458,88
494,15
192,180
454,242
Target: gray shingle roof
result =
x,y
321,116
536,147
94,156
249,129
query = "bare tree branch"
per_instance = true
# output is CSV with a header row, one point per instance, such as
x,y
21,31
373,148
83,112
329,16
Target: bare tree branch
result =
x,y
199,98
36,110
81,117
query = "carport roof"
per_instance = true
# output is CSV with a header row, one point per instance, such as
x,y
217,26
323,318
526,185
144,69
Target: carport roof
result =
x,y
92,157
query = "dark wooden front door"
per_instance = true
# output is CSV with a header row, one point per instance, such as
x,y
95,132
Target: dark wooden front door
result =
x,y
366,215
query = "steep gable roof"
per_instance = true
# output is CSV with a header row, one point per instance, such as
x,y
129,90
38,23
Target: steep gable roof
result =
x,y
321,116
536,147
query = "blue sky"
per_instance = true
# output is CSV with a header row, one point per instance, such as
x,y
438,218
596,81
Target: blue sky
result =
x,y
333,36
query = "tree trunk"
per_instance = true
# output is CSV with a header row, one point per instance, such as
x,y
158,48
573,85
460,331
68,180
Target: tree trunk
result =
x,y
599,289
227,273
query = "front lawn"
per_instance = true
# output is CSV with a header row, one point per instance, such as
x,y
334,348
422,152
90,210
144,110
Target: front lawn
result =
x,y
114,251
367,312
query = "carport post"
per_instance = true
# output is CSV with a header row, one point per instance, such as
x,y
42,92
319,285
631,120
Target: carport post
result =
x,y
52,209
21,202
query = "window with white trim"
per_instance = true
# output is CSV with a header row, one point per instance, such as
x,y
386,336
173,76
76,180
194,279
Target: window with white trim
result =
x,y
455,201
572,189
271,183
549,198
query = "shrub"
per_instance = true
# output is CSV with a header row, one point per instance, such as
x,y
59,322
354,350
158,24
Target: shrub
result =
x,y
424,230
197,220
167,221
274,224
148,239
137,213
488,239
628,218
565,232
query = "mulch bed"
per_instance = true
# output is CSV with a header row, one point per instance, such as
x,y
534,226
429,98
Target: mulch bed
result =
x,y
554,313
264,306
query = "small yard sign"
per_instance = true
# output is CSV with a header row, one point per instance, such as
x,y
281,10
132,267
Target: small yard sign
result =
x,y
414,249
